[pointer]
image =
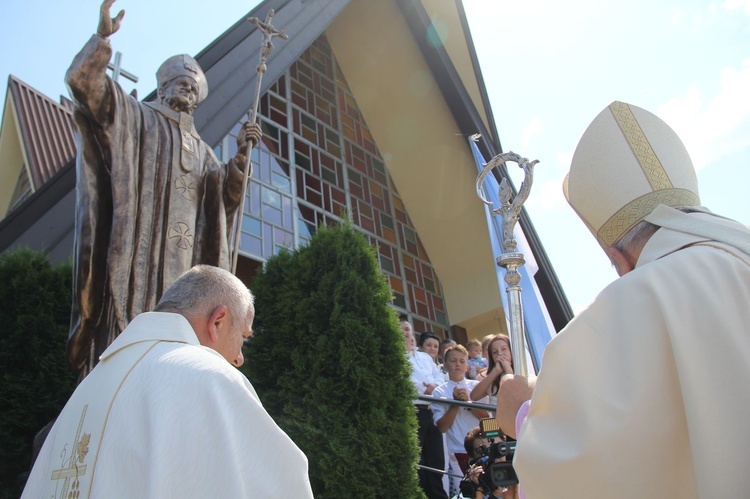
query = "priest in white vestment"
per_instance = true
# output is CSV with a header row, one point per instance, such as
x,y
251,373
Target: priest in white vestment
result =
x,y
164,414
643,393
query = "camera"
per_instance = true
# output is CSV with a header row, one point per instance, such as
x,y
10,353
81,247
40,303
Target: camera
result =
x,y
497,472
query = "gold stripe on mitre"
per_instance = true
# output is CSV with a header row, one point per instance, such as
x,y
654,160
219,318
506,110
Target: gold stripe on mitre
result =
x,y
633,212
652,168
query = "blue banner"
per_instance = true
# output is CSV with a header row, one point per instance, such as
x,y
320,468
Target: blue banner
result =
x,y
539,329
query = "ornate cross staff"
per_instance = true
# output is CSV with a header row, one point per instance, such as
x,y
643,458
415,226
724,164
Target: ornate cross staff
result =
x,y
267,47
511,259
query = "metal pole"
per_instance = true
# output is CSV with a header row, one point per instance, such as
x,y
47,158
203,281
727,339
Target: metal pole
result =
x,y
435,470
269,32
511,259
460,403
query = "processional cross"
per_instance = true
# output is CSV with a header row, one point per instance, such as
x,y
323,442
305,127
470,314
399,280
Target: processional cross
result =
x,y
269,31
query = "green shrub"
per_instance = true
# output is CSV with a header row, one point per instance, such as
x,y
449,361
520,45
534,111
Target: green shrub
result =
x,y
36,381
327,360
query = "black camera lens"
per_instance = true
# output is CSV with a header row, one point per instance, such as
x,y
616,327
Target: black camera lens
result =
x,y
503,474
500,449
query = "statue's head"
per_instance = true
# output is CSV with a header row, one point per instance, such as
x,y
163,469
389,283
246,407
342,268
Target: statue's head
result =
x,y
626,164
182,84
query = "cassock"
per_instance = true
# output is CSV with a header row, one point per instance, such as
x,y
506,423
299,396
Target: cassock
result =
x,y
153,201
643,393
161,416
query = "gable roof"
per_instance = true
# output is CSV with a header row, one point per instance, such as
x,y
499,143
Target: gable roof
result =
x,y
230,61
45,128
440,167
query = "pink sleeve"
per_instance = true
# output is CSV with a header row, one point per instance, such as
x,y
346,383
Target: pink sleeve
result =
x,y
523,411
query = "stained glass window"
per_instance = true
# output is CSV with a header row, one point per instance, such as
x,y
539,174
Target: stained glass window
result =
x,y
319,163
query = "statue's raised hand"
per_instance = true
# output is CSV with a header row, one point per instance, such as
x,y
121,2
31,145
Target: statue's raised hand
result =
x,y
108,25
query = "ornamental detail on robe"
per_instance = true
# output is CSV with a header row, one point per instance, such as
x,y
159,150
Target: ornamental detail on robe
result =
x,y
185,186
73,467
181,232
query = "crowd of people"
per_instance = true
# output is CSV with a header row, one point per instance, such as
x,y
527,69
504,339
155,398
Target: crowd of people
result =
x,y
449,371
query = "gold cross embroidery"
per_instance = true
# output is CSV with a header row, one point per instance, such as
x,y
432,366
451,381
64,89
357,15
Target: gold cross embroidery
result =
x,y
75,467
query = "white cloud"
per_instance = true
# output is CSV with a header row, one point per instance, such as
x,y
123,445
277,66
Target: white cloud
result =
x,y
733,5
532,129
713,127
676,17
546,197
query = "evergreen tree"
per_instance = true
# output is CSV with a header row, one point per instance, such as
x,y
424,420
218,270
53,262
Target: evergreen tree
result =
x,y
327,360
36,381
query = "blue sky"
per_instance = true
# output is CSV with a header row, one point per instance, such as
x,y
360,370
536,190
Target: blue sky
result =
x,y
550,67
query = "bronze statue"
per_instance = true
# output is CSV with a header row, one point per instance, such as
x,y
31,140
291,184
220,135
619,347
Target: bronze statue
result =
x,y
152,198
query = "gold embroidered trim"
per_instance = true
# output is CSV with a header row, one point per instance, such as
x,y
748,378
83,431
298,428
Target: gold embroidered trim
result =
x,y
109,410
75,467
655,174
633,212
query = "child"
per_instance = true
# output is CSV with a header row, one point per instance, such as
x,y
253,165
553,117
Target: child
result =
x,y
452,420
476,361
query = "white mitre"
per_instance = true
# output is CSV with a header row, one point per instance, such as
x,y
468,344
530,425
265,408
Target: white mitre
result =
x,y
627,163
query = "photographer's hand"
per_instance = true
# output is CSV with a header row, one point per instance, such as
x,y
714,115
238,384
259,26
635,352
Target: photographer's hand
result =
x,y
509,493
474,471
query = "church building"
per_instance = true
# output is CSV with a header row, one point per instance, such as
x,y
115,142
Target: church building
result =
x,y
356,125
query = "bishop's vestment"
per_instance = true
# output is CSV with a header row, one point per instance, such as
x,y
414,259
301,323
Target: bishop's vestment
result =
x,y
643,393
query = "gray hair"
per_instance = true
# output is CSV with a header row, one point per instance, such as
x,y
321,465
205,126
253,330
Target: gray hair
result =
x,y
198,292
636,238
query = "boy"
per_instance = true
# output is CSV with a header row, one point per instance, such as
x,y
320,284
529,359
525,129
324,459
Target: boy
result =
x,y
476,361
455,421
444,345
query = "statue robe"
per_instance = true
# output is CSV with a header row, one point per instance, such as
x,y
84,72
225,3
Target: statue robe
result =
x,y
643,393
153,200
162,416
